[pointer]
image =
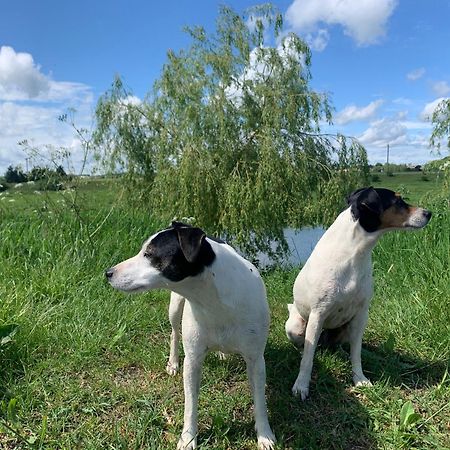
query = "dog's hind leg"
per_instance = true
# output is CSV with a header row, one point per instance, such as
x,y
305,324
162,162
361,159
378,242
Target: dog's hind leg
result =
x,y
356,329
176,307
256,370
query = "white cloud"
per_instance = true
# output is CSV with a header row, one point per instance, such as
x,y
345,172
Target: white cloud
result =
x,y
384,131
318,40
416,152
429,108
352,113
40,126
21,79
363,20
20,76
441,88
259,67
416,125
415,74
256,70
131,100
408,141
403,101
30,104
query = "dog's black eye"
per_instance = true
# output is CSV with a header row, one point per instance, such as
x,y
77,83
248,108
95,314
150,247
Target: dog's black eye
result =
x,y
147,254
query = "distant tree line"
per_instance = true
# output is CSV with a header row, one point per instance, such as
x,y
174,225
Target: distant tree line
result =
x,y
401,167
47,178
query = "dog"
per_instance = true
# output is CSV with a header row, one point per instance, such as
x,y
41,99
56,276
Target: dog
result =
x,y
334,288
226,309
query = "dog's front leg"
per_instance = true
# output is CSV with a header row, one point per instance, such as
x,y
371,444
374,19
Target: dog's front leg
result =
x,y
313,330
192,372
355,333
176,307
256,370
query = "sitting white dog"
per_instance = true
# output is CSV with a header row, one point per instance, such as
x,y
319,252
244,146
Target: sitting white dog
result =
x,y
334,288
226,309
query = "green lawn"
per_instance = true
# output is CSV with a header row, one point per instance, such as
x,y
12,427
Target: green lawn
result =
x,y
86,367
413,185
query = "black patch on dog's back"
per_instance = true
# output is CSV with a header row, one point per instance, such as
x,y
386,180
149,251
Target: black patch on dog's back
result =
x,y
165,253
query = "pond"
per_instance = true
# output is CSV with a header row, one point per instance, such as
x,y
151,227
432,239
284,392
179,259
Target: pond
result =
x,y
301,244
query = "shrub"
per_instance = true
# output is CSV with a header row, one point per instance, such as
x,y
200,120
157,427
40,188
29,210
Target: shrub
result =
x,y
15,175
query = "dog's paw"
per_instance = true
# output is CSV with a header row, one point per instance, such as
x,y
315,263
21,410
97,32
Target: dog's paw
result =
x,y
359,381
187,442
172,368
300,390
266,442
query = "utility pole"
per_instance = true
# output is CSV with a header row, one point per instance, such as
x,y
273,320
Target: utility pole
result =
x,y
387,159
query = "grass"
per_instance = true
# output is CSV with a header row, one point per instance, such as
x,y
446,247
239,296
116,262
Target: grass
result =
x,y
85,367
412,185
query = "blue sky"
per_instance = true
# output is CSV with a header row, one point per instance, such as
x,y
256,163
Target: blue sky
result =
x,y
385,63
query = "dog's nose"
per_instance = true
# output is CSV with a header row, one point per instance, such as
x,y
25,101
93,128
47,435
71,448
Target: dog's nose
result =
x,y
109,273
427,214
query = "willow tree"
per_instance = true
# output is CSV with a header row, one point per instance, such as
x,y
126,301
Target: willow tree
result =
x,y
440,135
441,124
230,135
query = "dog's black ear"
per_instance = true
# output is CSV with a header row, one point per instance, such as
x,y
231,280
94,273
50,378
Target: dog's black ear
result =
x,y
353,197
191,240
366,198
366,206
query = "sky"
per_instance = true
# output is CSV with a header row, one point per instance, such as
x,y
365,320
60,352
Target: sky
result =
x,y
384,63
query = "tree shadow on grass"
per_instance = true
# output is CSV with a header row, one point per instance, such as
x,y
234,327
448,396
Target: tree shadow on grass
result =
x,y
11,367
400,368
331,418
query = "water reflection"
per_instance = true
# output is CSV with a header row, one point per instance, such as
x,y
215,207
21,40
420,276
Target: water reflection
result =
x,y
301,244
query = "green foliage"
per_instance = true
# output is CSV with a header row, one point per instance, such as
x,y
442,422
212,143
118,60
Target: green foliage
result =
x,y
15,175
408,418
437,165
441,124
230,135
375,178
48,179
408,422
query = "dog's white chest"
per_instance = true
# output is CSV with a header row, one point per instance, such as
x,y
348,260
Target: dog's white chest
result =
x,y
337,279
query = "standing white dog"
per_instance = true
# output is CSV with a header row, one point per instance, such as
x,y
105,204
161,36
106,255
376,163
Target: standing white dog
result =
x,y
226,309
334,288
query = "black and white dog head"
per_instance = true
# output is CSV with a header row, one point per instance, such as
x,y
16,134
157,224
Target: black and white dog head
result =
x,y
170,255
379,209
